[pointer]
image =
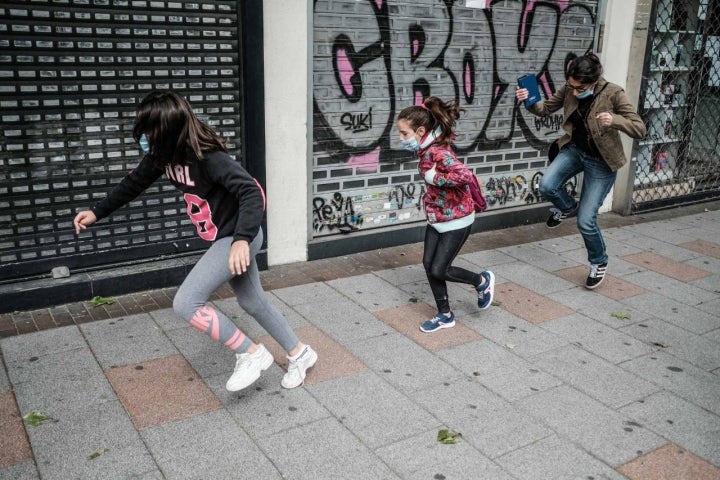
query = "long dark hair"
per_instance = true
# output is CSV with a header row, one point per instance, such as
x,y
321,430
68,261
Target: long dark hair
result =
x,y
433,113
171,127
586,68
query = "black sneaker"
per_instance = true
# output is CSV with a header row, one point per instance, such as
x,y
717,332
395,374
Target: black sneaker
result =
x,y
557,216
596,275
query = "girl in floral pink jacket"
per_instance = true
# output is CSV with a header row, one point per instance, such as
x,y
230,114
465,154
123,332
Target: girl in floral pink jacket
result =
x,y
427,131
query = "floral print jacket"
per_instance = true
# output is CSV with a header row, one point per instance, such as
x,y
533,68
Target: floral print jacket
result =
x,y
448,196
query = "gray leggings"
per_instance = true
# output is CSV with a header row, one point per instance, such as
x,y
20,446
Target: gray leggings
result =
x,y
208,274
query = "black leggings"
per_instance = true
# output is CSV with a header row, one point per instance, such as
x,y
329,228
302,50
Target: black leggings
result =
x,y
440,251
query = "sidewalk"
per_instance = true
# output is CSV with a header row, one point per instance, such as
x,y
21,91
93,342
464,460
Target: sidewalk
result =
x,y
552,382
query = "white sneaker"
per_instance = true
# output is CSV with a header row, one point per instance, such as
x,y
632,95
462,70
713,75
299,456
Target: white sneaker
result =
x,y
298,366
248,368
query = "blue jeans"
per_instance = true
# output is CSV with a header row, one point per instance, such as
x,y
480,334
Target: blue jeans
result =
x,y
598,179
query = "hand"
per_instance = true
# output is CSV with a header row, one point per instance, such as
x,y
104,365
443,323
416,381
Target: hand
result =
x,y
83,219
239,260
605,119
521,94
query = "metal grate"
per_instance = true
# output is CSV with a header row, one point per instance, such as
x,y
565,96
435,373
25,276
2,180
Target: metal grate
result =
x,y
71,73
679,160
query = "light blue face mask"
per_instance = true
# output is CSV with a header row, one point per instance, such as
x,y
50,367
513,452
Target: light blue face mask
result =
x,y
411,144
585,94
144,143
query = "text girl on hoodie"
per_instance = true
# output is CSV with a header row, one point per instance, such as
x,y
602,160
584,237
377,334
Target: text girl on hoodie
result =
x,y
226,205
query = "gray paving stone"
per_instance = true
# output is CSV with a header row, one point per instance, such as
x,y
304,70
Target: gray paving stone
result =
x,y
598,378
539,257
343,320
207,357
591,335
713,336
485,420
372,409
709,264
46,342
370,291
63,447
126,340
421,456
323,450
207,446
681,422
617,249
555,245
694,319
599,307
681,292
307,293
601,431
265,408
649,244
534,278
507,330
59,382
402,362
500,370
402,275
712,307
20,471
665,230
556,458
678,342
462,297
167,320
711,284
681,378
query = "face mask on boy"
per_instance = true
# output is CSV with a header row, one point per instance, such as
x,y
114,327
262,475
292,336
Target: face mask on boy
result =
x,y
144,143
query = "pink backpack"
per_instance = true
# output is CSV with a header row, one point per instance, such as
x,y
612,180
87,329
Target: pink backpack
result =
x,y
477,196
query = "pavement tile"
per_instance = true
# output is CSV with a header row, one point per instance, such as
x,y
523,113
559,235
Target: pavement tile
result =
x,y
680,422
710,249
461,460
666,266
334,360
597,338
161,390
677,290
207,357
649,244
699,319
43,320
21,471
532,278
370,292
527,304
62,316
669,462
612,287
408,318
208,445
555,458
126,340
488,422
535,254
14,446
599,430
372,409
325,449
602,380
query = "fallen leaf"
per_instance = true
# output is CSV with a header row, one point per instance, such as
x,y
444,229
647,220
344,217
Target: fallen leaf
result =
x,y
97,301
660,344
448,437
97,453
620,316
510,345
35,418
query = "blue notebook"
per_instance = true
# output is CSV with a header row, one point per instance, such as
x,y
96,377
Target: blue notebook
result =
x,y
529,82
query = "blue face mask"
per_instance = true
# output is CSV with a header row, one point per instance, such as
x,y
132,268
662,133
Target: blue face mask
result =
x,y
411,144
585,94
144,143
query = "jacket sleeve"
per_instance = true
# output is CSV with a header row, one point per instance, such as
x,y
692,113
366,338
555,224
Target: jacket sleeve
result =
x,y
449,172
134,183
227,172
625,117
551,105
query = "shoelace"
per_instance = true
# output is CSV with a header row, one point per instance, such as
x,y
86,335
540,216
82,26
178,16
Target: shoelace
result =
x,y
596,271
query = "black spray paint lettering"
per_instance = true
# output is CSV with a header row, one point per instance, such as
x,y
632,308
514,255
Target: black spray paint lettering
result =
x,y
551,122
360,122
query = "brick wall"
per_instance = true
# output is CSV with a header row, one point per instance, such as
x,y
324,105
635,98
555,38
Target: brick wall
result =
x,y
372,58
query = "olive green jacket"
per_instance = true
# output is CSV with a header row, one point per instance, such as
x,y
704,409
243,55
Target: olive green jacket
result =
x,y
610,98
